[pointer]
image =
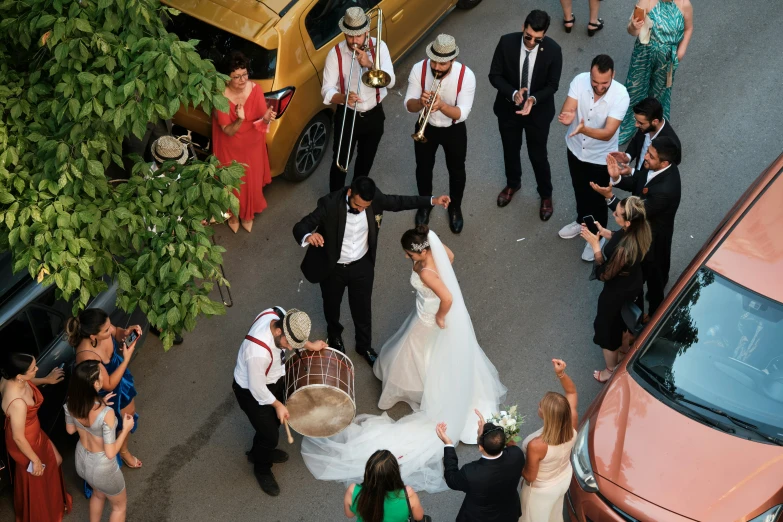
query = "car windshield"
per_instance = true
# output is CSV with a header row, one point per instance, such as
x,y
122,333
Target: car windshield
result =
x,y
216,45
721,347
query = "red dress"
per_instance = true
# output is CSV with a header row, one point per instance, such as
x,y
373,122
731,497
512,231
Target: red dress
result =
x,y
37,499
247,146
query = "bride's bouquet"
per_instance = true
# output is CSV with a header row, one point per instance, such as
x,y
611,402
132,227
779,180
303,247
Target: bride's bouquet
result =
x,y
511,422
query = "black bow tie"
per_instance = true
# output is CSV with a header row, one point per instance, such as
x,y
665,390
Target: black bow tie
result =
x,y
353,210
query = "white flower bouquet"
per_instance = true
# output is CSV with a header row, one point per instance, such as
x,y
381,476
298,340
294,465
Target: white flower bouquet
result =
x,y
511,422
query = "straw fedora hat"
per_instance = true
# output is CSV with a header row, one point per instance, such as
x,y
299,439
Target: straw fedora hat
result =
x,y
296,327
443,49
169,148
355,22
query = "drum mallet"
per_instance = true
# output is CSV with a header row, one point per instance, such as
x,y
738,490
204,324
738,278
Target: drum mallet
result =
x,y
288,432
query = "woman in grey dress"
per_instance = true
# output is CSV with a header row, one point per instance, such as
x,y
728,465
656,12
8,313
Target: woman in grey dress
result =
x,y
89,414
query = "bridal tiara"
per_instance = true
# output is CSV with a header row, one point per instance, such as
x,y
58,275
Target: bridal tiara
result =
x,y
419,247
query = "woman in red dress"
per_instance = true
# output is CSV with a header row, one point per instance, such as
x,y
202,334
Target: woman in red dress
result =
x,y
240,135
39,494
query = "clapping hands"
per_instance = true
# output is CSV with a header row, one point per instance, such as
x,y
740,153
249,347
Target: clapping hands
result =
x,y
440,429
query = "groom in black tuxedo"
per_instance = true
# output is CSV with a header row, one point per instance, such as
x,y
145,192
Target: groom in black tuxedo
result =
x,y
342,233
491,483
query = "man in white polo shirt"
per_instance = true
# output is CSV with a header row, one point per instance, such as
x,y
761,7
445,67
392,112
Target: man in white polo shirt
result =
x,y
259,383
594,109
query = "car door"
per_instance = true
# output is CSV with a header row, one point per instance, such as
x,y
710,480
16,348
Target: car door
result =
x,y
406,21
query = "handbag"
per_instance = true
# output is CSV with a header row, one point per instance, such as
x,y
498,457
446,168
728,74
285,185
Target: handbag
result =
x,y
426,518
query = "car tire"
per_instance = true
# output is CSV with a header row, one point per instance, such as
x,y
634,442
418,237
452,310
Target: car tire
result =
x,y
309,150
468,4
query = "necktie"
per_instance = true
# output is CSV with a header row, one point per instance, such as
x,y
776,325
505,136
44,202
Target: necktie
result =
x,y
525,67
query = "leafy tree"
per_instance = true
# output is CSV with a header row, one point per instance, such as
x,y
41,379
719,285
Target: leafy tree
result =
x,y
76,78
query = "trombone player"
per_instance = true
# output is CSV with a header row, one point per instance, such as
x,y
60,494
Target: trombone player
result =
x,y
343,82
441,90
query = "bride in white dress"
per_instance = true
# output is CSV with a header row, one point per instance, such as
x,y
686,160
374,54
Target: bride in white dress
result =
x,y
433,363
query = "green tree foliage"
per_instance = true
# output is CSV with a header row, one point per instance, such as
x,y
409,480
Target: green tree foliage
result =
x,y
76,77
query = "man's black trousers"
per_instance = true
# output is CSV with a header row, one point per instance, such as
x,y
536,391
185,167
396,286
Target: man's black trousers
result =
x,y
588,201
366,137
265,422
511,131
454,141
358,278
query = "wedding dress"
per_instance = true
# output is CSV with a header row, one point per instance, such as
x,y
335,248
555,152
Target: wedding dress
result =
x,y
442,373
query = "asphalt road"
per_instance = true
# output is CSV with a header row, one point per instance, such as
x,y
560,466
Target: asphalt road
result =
x,y
530,300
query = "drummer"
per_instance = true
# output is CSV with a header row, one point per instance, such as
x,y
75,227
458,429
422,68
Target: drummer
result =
x,y
259,384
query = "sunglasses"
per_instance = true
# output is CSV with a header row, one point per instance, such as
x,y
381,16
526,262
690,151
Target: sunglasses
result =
x,y
531,39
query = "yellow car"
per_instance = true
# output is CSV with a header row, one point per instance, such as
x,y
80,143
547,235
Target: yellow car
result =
x,y
287,42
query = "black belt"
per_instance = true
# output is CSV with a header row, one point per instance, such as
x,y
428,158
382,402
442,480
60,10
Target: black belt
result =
x,y
352,262
365,113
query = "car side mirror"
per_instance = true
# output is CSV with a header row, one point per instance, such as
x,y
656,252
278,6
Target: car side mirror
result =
x,y
632,317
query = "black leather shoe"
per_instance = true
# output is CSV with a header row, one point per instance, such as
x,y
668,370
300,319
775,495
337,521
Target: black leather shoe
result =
x,y
336,343
455,219
423,216
268,483
278,456
370,356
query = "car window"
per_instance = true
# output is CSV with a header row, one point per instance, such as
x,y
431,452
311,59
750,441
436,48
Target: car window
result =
x,y
721,345
17,336
216,45
321,21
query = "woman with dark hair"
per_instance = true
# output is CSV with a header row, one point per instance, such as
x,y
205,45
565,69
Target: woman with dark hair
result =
x,y
381,497
39,488
240,135
95,338
89,414
619,267
547,471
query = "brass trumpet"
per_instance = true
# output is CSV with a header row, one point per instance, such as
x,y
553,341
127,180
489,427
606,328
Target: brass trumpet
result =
x,y
424,115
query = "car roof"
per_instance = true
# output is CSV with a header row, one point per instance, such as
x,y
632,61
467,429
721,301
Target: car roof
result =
x,y
751,254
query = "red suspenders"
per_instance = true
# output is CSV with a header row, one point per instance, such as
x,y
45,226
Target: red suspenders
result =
x,y
340,67
260,342
424,76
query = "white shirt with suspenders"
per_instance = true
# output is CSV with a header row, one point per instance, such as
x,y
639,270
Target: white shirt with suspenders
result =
x,y
458,90
260,362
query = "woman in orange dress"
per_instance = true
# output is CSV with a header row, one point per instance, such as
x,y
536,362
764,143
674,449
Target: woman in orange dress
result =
x,y
240,135
39,489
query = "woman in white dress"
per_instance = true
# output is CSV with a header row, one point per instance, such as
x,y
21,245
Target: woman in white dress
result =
x,y
435,364
547,471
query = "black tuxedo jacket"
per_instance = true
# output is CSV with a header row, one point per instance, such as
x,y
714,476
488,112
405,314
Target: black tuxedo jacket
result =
x,y
504,74
328,219
491,486
636,145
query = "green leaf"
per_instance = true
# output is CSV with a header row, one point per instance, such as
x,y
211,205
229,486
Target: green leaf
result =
x,y
95,168
173,316
181,232
171,70
83,25
124,281
74,281
6,198
62,153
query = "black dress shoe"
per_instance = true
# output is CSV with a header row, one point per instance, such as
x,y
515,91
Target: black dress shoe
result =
x,y
546,209
423,216
455,219
268,483
336,343
370,356
278,456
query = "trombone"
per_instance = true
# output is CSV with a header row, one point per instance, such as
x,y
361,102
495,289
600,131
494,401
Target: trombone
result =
x,y
375,78
424,115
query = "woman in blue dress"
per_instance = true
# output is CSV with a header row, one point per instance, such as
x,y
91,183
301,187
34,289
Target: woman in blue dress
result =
x,y
95,338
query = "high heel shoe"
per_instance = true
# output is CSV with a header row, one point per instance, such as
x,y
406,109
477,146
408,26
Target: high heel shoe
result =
x,y
571,21
233,224
247,225
594,28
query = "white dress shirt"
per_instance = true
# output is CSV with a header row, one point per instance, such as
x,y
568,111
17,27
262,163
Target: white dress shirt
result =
x,y
253,360
448,92
355,239
331,83
595,113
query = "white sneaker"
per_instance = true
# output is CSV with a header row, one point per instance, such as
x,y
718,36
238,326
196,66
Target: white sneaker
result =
x,y
570,231
587,253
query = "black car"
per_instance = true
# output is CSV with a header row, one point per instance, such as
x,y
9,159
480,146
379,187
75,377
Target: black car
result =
x,y
32,320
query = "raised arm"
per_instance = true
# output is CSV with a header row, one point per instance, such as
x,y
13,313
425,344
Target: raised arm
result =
x,y
569,389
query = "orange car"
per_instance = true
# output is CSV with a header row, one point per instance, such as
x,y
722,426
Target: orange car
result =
x,y
287,42
690,427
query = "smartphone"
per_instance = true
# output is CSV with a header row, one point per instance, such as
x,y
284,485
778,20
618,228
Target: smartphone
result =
x,y
132,337
590,224
62,366
638,13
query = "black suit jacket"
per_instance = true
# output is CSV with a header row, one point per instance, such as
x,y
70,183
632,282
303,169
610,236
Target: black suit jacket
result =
x,y
635,146
491,486
329,218
504,75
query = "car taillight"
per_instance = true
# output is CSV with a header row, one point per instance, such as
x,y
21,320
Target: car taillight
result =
x,y
280,99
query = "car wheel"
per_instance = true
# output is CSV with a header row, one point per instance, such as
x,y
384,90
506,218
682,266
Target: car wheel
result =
x,y
468,4
309,149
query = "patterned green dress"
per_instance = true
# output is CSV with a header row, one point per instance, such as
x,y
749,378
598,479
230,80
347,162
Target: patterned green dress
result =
x,y
651,64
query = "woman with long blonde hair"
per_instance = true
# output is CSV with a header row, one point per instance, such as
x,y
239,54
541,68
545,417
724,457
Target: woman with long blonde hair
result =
x,y
547,471
619,266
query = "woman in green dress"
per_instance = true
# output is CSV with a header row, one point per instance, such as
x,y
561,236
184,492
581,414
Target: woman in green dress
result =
x,y
381,497
653,64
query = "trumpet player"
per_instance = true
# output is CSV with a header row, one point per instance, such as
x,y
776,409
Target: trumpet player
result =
x,y
345,89
441,90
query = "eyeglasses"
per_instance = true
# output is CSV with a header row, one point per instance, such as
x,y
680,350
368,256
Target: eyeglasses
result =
x,y
532,39
240,77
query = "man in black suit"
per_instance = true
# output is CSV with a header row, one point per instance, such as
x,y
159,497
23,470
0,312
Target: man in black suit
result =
x,y
658,184
342,233
491,483
526,72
